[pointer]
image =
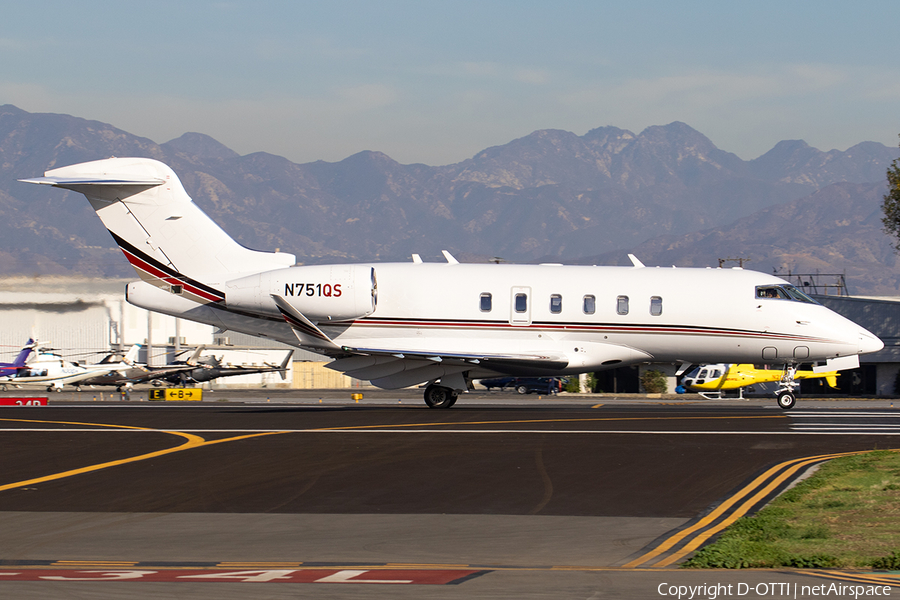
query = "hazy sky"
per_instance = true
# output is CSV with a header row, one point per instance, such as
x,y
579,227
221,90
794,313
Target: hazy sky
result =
x,y
436,82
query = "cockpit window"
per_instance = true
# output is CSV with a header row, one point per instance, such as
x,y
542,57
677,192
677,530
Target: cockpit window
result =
x,y
783,292
798,295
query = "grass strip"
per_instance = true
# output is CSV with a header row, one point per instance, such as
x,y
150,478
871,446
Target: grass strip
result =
x,y
846,515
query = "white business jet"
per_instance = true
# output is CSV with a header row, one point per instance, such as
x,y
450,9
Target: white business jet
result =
x,y
444,324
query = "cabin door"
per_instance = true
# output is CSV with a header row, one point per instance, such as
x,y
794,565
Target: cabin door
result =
x,y
520,306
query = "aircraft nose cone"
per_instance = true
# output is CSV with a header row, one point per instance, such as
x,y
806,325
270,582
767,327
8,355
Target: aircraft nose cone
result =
x,y
868,342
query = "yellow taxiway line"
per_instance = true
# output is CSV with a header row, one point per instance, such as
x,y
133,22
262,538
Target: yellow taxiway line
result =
x,y
192,441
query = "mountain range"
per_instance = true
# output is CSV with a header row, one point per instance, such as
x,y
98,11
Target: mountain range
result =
x,y
667,194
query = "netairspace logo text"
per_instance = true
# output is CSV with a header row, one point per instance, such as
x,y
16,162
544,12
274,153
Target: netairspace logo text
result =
x,y
771,590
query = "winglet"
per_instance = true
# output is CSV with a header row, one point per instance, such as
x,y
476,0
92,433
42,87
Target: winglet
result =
x,y
449,257
299,323
635,261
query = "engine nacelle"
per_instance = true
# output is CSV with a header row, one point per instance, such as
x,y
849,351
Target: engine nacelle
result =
x,y
319,292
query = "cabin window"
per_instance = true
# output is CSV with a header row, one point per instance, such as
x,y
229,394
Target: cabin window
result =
x,y
655,306
521,303
590,305
485,302
622,305
556,304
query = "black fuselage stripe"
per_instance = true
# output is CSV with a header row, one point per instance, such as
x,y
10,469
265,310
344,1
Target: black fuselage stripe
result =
x,y
130,249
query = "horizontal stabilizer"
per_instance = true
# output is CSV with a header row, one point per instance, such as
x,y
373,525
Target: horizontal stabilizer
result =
x,y
72,182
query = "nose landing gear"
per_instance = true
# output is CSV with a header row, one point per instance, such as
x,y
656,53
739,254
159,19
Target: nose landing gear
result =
x,y
784,395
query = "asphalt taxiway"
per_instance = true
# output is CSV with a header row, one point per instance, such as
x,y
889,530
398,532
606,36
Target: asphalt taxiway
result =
x,y
528,497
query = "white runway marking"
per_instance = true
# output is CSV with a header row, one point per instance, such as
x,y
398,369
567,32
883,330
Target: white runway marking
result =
x,y
848,423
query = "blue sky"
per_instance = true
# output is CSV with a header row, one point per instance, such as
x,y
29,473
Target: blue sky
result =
x,y
436,82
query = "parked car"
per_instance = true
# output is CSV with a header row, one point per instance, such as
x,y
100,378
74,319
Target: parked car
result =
x,y
498,382
526,385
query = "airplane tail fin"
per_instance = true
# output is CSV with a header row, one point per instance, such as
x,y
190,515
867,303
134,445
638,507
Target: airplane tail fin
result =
x,y
132,355
169,241
283,367
832,380
24,353
192,359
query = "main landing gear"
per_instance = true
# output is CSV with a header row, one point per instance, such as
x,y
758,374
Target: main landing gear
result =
x,y
437,396
784,395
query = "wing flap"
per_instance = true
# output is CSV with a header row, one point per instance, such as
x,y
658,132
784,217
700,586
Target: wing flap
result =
x,y
530,360
393,368
417,376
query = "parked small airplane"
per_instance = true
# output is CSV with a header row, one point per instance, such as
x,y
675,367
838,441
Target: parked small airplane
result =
x,y
195,369
131,373
7,369
442,325
52,370
207,368
712,380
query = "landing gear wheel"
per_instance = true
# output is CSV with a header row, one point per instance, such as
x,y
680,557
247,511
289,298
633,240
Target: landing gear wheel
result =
x,y
522,389
786,400
437,396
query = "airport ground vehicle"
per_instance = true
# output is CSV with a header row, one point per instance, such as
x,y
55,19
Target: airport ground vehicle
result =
x,y
526,385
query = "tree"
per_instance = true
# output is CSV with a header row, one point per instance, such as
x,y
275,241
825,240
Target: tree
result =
x,y
654,382
891,205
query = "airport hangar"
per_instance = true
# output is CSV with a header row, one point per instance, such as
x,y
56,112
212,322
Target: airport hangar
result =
x,y
76,316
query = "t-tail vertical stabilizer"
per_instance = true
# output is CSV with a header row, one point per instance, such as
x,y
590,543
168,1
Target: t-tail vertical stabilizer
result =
x,y
169,241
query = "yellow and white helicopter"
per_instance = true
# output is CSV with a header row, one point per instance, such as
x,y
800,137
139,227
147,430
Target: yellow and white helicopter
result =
x,y
710,381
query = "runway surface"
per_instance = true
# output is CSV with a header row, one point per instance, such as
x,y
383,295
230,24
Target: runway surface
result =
x,y
501,496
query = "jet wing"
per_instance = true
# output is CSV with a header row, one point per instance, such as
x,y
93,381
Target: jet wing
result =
x,y
395,368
